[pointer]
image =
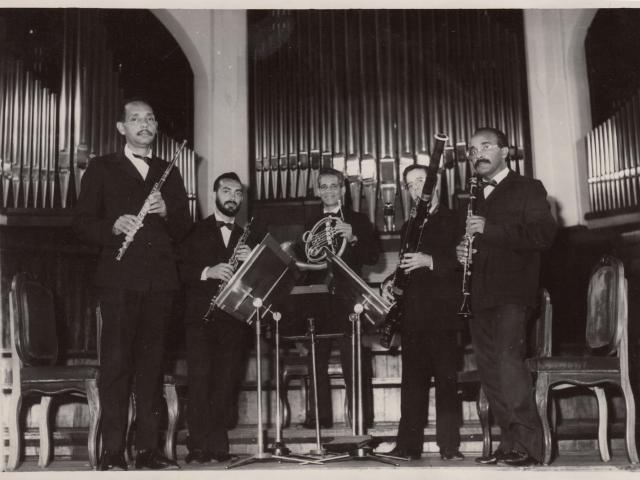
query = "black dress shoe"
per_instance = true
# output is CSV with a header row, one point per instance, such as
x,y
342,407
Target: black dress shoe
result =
x,y
110,460
517,459
154,461
222,456
404,453
310,423
490,459
451,455
198,455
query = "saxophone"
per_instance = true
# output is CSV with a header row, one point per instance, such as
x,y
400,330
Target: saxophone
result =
x,y
235,263
465,308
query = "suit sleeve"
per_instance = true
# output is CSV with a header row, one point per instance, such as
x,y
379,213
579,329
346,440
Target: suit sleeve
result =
x,y
175,197
445,260
367,249
89,222
190,263
534,232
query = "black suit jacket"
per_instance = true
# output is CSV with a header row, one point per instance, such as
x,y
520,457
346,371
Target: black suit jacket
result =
x,y
432,297
519,225
111,187
204,247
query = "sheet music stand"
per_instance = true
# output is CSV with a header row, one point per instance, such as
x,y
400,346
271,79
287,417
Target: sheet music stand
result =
x,y
374,308
264,278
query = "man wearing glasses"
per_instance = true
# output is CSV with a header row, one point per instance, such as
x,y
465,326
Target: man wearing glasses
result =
x,y
362,248
429,326
135,293
512,226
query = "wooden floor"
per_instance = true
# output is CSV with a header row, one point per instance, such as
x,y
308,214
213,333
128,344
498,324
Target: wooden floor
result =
x,y
584,465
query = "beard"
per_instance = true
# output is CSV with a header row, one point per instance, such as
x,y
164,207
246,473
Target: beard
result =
x,y
229,208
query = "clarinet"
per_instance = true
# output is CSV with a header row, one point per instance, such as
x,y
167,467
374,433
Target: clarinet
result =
x,y
147,204
235,263
465,308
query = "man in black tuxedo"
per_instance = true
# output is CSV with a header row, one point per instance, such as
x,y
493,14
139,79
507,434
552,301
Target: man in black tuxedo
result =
x,y
362,248
429,325
136,292
512,226
215,348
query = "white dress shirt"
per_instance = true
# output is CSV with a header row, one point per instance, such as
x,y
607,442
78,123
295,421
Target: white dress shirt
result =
x,y
226,235
141,165
498,177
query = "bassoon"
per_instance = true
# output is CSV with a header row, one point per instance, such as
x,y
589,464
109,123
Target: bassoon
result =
x,y
397,282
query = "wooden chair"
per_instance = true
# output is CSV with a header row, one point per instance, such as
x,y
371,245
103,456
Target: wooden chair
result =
x,y
34,351
606,363
169,391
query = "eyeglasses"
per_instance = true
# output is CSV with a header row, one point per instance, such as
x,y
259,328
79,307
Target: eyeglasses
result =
x,y
334,187
140,120
419,183
474,152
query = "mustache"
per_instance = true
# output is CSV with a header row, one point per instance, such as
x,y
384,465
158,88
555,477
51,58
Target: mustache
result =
x,y
481,160
145,131
230,202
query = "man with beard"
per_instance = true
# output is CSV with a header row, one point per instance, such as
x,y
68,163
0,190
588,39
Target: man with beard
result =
x,y
215,349
135,293
512,226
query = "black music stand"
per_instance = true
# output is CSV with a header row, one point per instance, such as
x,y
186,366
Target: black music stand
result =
x,y
263,280
374,308
312,337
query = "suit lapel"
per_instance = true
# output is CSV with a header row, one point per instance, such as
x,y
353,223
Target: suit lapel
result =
x,y
498,191
127,167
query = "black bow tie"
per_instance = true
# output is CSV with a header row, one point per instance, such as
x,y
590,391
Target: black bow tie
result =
x,y
488,183
142,157
221,224
331,214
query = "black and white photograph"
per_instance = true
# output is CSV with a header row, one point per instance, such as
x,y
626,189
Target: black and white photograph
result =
x,y
320,238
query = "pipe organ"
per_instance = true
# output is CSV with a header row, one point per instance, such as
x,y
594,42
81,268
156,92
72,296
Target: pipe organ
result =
x,y
612,162
365,91
49,134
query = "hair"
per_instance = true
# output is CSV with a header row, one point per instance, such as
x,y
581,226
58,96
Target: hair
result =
x,y
333,172
225,176
410,168
501,138
127,101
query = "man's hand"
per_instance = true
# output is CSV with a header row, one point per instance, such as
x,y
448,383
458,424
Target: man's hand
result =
x,y
461,251
127,224
221,271
345,230
412,261
475,224
243,252
157,205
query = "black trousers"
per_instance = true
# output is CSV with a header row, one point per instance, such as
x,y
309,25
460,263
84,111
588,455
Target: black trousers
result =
x,y
499,340
427,354
333,317
215,365
132,345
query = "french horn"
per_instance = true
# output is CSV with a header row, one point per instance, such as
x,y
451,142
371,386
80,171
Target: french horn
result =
x,y
317,241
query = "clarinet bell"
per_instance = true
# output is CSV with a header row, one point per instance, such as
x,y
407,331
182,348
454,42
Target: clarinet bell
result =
x,y
465,308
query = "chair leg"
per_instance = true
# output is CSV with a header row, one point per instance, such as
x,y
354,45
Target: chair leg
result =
x,y
482,405
45,434
171,397
284,401
630,429
603,418
542,398
130,421
15,435
95,412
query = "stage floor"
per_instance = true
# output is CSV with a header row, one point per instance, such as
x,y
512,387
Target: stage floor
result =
x,y
569,465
